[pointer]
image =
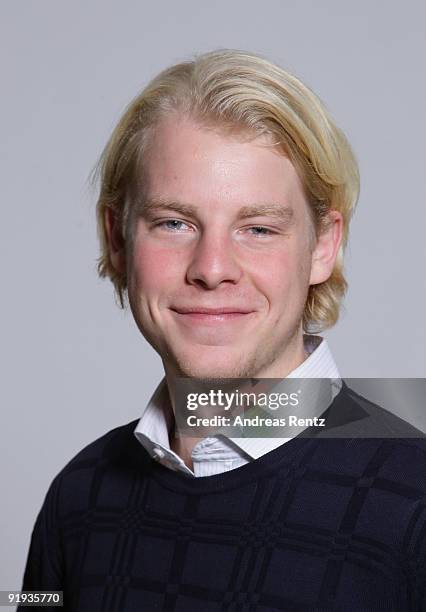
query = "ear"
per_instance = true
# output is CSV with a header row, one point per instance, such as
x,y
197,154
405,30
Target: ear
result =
x,y
326,249
115,240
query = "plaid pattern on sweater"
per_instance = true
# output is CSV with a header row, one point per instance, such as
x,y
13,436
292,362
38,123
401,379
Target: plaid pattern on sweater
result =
x,y
315,525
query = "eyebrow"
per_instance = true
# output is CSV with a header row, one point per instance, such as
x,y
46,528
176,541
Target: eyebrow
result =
x,y
281,212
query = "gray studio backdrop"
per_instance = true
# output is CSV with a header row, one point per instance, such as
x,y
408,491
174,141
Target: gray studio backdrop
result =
x,y
73,364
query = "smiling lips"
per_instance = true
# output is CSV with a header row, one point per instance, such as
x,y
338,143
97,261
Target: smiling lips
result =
x,y
212,315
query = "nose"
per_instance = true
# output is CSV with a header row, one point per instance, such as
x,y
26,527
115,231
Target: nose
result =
x,y
213,260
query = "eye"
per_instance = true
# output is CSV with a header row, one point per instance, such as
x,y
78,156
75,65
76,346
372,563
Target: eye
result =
x,y
261,231
172,225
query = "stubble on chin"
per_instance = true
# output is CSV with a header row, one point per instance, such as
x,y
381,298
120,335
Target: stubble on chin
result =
x,y
188,369
243,366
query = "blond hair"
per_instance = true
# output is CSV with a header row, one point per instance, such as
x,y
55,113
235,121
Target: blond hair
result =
x,y
236,90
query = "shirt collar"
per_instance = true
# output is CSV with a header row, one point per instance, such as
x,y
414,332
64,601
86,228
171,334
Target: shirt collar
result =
x,y
157,420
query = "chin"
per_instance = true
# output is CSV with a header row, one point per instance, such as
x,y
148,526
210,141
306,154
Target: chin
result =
x,y
211,366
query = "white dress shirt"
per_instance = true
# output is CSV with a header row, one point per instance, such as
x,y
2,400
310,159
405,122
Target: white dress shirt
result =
x,y
218,454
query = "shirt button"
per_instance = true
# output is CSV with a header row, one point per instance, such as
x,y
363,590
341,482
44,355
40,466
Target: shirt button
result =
x,y
158,453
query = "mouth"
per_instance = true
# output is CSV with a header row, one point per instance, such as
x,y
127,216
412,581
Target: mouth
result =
x,y
212,315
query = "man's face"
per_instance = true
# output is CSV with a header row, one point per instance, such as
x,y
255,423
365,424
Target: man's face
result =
x,y
224,226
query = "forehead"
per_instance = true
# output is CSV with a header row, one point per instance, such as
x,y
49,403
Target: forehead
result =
x,y
187,161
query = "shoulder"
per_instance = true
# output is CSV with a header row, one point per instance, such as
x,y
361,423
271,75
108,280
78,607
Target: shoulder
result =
x,y
107,447
364,438
351,414
110,461
102,469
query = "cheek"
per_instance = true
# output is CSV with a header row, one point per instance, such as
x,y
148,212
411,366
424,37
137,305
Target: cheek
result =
x,y
153,269
280,275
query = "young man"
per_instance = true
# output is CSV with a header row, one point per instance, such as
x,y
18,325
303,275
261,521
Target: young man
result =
x,y
226,194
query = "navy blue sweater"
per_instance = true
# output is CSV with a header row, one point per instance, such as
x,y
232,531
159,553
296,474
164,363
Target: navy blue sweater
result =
x,y
317,524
